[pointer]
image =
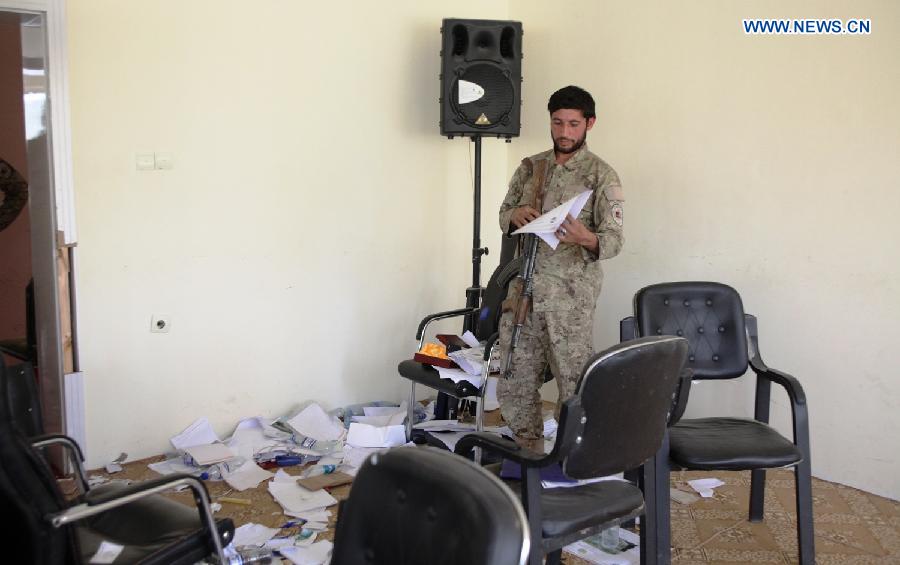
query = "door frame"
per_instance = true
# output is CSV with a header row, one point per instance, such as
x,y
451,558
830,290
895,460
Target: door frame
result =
x,y
53,235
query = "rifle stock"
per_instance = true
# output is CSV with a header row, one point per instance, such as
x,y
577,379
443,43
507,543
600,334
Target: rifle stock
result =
x,y
523,305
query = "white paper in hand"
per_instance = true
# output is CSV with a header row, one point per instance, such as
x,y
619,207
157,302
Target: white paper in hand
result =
x,y
546,225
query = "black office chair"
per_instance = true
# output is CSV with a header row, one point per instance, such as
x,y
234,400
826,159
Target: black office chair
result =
x,y
723,342
45,528
424,505
614,422
485,321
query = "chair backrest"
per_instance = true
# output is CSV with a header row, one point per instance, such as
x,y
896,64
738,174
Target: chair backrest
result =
x,y
28,493
709,315
424,505
495,292
626,393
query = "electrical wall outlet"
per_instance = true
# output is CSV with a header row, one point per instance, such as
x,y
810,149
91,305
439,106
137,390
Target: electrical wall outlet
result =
x,y
160,323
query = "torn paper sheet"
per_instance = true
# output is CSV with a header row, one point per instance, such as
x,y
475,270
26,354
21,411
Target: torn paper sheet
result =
x,y
704,487
107,552
364,435
210,453
252,435
198,433
682,497
355,456
294,498
316,554
470,339
545,226
253,534
457,375
314,422
247,476
382,415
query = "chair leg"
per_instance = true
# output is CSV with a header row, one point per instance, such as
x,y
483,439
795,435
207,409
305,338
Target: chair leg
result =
x,y
531,500
655,523
757,494
410,410
663,520
648,519
805,534
554,558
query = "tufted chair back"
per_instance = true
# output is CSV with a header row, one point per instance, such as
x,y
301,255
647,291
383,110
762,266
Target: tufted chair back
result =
x,y
424,505
709,315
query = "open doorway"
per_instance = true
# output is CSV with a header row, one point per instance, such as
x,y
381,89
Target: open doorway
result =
x,y
36,284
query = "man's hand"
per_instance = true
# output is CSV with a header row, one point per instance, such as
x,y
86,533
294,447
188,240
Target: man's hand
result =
x,y
573,231
522,215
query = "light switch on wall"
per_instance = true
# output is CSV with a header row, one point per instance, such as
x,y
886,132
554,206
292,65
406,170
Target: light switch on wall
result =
x,y
145,161
163,160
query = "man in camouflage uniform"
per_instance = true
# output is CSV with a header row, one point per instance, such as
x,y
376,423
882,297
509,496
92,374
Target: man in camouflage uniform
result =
x,y
558,329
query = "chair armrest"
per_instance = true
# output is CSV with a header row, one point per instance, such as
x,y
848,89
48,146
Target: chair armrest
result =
x,y
137,491
489,345
567,435
789,382
439,316
507,448
72,449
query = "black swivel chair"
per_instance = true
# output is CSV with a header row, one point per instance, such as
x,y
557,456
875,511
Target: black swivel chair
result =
x,y
48,529
614,422
723,342
424,505
486,321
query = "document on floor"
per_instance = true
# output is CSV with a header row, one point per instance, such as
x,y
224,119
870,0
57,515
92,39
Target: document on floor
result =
x,y
545,226
294,498
364,435
316,554
248,475
210,453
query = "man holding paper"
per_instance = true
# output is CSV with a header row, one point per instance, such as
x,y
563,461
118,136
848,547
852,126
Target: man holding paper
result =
x,y
572,200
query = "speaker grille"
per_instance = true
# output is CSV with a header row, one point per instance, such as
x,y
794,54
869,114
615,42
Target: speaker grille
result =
x,y
491,109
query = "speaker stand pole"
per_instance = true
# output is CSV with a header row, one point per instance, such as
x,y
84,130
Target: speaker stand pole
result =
x,y
473,293
446,407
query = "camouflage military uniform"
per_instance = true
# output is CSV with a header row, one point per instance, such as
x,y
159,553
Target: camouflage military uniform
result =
x,y
567,282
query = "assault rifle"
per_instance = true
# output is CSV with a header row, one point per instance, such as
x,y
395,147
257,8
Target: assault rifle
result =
x,y
523,305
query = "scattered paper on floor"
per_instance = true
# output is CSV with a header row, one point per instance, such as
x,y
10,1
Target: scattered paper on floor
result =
x,y
247,476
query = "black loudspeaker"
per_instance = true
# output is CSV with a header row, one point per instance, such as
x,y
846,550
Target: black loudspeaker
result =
x,y
481,78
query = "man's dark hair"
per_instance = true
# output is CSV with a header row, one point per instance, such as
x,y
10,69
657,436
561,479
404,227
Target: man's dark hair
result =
x,y
572,98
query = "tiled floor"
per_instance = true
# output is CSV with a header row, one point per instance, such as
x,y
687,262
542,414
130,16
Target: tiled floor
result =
x,y
851,526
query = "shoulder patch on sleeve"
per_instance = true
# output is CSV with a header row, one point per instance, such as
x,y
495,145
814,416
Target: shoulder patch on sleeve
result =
x,y
614,193
617,213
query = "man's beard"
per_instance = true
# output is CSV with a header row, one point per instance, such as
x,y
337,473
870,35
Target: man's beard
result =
x,y
575,146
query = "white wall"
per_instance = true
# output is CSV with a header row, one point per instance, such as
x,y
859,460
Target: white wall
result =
x,y
314,213
312,217
769,163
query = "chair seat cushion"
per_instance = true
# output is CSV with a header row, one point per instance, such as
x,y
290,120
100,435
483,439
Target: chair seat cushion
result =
x,y
729,444
567,510
155,529
429,376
